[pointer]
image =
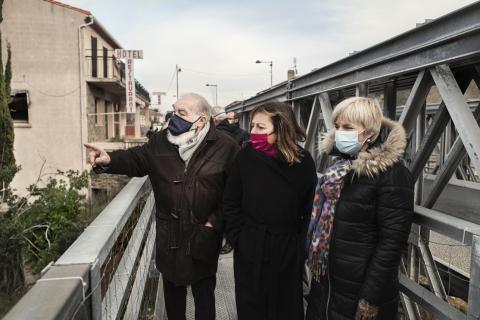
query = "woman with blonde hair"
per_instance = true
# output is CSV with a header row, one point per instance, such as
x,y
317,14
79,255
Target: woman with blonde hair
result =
x,y
267,205
361,217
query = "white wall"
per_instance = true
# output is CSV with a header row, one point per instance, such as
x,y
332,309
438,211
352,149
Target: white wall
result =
x,y
45,56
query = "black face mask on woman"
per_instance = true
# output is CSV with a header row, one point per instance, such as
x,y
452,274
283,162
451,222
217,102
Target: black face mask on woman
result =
x,y
178,125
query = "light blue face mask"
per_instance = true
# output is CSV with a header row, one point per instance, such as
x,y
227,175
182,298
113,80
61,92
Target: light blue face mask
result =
x,y
347,142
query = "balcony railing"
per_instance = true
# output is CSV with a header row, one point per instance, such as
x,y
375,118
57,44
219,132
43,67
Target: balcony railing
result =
x,y
110,69
104,68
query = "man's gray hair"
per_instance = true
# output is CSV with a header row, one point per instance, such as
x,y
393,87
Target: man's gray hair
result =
x,y
201,105
219,113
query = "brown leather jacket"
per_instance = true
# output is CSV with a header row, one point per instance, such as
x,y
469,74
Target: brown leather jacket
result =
x,y
186,198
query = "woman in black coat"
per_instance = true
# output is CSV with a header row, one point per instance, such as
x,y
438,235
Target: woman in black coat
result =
x,y
361,217
267,204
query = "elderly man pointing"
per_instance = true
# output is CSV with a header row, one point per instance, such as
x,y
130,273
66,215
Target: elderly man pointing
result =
x,y
187,164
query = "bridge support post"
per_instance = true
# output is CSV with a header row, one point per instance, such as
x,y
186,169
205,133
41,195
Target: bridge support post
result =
x,y
361,90
390,100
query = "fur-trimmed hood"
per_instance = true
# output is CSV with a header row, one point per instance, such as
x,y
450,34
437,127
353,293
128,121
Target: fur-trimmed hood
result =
x,y
377,158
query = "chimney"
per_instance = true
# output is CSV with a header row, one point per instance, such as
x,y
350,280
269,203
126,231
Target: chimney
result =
x,y
290,74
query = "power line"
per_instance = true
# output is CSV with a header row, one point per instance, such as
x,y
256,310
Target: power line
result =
x,y
171,81
226,75
62,95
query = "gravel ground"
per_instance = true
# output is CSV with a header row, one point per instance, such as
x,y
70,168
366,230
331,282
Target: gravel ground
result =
x,y
450,252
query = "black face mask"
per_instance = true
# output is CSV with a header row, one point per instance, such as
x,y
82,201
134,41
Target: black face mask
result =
x,y
178,125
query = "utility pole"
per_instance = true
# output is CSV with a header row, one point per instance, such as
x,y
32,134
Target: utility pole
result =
x,y
271,73
216,92
177,70
271,69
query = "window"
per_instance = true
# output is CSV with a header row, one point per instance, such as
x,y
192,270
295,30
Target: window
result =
x,y
130,119
19,106
96,111
94,57
105,119
105,62
106,111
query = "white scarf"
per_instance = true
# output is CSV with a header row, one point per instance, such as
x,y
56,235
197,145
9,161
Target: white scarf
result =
x,y
188,142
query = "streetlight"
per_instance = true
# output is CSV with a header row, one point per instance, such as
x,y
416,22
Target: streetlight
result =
x,y
177,70
216,92
271,70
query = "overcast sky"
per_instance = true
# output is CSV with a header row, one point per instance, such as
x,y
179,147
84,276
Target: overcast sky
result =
x,y
218,42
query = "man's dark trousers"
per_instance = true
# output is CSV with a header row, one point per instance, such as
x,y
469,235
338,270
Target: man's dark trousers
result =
x,y
203,294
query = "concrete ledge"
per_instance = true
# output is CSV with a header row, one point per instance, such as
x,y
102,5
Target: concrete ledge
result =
x,y
59,294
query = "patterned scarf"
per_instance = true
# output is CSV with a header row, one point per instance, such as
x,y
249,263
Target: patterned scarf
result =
x,y
320,228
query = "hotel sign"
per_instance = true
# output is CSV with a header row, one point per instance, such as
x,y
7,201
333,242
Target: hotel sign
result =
x,y
129,55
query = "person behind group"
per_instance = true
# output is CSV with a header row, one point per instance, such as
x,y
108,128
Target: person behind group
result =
x,y
168,115
150,131
267,205
187,164
226,122
361,216
233,118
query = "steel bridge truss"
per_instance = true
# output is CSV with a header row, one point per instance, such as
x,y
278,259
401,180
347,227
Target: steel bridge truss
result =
x,y
443,54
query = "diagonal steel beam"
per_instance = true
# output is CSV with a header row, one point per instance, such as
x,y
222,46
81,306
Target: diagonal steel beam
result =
x,y
439,308
326,106
431,270
434,132
312,127
459,111
429,142
455,156
416,100
411,309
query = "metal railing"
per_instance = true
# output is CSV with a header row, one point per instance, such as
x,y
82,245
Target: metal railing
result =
x,y
107,68
104,273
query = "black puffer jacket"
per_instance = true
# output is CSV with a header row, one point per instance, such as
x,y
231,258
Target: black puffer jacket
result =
x,y
266,204
371,227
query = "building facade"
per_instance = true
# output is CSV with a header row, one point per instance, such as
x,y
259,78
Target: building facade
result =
x,y
67,88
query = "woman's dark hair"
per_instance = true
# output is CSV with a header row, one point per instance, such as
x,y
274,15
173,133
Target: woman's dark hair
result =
x,y
287,130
